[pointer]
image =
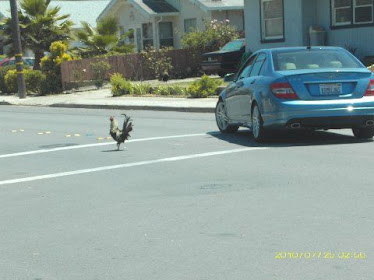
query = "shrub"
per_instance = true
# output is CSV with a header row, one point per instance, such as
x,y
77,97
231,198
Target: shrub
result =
x,y
3,71
204,87
216,35
100,72
141,89
158,62
34,80
120,86
51,67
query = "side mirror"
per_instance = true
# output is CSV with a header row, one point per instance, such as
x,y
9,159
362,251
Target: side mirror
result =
x,y
229,77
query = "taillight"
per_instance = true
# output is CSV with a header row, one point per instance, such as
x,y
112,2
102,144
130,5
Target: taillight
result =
x,y
370,89
283,91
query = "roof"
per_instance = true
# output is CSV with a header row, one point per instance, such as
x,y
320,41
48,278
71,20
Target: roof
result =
x,y
146,7
214,5
76,9
160,6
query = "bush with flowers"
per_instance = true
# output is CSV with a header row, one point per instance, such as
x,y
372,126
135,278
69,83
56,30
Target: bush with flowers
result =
x,y
51,67
216,35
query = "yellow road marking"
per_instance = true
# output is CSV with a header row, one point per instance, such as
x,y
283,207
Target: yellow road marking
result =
x,y
77,135
67,135
21,130
100,138
47,132
14,131
40,133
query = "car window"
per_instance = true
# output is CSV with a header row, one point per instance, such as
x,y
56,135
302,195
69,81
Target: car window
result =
x,y
247,68
257,66
233,45
313,59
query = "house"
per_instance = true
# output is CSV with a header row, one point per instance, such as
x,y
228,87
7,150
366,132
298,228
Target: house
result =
x,y
163,22
76,9
279,23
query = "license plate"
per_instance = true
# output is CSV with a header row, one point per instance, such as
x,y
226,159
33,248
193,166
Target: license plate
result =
x,y
330,89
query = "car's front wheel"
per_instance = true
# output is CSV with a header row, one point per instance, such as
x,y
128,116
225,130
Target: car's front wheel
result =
x,y
258,130
222,119
363,132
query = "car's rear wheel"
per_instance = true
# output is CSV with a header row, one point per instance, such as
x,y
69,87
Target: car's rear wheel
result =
x,y
363,132
258,130
222,119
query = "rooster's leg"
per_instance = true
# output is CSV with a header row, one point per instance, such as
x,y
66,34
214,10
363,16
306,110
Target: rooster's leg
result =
x,y
118,144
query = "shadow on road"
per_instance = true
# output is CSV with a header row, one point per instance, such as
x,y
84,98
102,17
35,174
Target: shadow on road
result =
x,y
288,138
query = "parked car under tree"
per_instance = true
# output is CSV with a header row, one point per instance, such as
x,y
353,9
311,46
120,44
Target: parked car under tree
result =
x,y
299,88
226,60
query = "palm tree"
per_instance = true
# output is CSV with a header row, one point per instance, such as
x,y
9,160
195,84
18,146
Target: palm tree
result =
x,y
103,39
40,26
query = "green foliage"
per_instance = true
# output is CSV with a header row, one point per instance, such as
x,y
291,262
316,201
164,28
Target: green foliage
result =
x,y
100,71
3,71
170,90
216,35
204,87
141,89
40,26
102,40
158,62
120,86
34,80
51,67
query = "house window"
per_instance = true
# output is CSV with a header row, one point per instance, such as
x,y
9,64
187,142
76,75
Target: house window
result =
x,y
147,30
166,34
272,19
348,12
363,11
189,25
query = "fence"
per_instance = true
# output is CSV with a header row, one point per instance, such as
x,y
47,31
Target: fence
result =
x,y
131,66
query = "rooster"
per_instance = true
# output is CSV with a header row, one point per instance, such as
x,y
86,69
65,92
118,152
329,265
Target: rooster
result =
x,y
120,136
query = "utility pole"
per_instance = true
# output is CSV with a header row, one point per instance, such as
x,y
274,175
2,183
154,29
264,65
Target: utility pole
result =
x,y
18,48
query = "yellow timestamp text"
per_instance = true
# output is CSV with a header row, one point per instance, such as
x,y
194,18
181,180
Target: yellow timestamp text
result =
x,y
320,255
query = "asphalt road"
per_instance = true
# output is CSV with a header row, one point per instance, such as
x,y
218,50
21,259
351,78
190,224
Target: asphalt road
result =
x,y
181,201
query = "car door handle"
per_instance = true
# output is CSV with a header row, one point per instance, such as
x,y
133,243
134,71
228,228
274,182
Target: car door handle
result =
x,y
253,81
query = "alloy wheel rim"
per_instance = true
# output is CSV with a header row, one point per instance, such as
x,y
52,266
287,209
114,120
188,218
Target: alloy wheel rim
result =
x,y
256,123
221,116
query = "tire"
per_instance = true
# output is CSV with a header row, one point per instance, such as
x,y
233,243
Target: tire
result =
x,y
258,130
222,121
364,132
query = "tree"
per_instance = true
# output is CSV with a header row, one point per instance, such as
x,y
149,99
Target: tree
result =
x,y
40,26
103,39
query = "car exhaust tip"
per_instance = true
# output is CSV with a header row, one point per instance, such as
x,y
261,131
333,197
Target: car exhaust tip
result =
x,y
295,125
370,123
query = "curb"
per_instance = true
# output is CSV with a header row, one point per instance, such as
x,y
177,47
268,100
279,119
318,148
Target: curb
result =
x,y
121,107
136,107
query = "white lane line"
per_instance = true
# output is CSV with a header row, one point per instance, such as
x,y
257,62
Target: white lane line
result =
x,y
96,145
125,165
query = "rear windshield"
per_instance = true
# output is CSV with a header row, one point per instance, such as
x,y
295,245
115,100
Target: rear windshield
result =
x,y
313,59
233,46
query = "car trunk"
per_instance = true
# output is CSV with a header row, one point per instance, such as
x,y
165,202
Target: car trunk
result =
x,y
328,85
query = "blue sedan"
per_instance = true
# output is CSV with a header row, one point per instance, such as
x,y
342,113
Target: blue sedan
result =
x,y
299,88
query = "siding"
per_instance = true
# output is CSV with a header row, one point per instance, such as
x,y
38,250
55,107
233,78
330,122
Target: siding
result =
x,y
299,15
293,25
361,38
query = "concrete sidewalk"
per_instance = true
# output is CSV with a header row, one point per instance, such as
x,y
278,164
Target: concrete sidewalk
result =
x,y
102,99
